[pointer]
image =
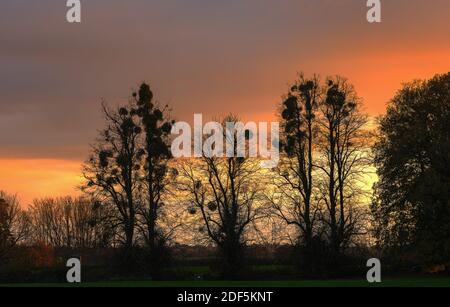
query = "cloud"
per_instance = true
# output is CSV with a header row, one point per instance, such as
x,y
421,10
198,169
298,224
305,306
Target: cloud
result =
x,y
198,55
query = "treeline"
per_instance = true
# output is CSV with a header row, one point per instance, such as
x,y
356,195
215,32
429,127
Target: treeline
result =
x,y
137,197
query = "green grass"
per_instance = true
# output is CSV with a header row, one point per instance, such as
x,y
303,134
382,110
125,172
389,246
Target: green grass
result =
x,y
393,282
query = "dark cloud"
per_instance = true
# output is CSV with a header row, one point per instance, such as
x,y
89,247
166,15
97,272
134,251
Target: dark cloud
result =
x,y
199,56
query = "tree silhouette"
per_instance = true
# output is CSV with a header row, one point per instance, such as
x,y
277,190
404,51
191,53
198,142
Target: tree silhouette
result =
x,y
294,199
14,224
156,128
71,222
224,192
326,156
344,163
411,204
113,170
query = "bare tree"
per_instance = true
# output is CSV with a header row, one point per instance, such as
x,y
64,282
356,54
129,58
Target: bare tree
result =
x,y
157,128
47,218
14,224
225,193
344,162
293,196
70,222
113,171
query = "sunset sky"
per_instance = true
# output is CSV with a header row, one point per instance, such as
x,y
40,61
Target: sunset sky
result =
x,y
204,56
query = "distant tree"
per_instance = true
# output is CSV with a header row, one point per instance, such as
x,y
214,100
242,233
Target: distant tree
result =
x,y
70,222
411,206
113,171
157,130
49,228
225,193
344,162
294,199
14,224
5,233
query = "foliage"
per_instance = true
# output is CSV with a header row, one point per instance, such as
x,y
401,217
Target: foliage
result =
x,y
412,200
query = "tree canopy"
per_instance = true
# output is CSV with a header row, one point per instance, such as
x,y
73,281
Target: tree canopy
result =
x,y
412,202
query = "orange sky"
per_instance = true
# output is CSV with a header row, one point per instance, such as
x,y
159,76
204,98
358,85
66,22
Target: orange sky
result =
x,y
212,57
39,178
32,178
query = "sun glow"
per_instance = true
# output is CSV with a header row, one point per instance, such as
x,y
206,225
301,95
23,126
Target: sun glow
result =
x,y
31,178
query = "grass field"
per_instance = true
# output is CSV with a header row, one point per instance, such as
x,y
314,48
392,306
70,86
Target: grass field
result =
x,y
394,282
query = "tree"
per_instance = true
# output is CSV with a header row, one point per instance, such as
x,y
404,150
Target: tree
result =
x,y
320,187
293,199
70,222
157,129
411,206
113,171
224,192
344,162
14,224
